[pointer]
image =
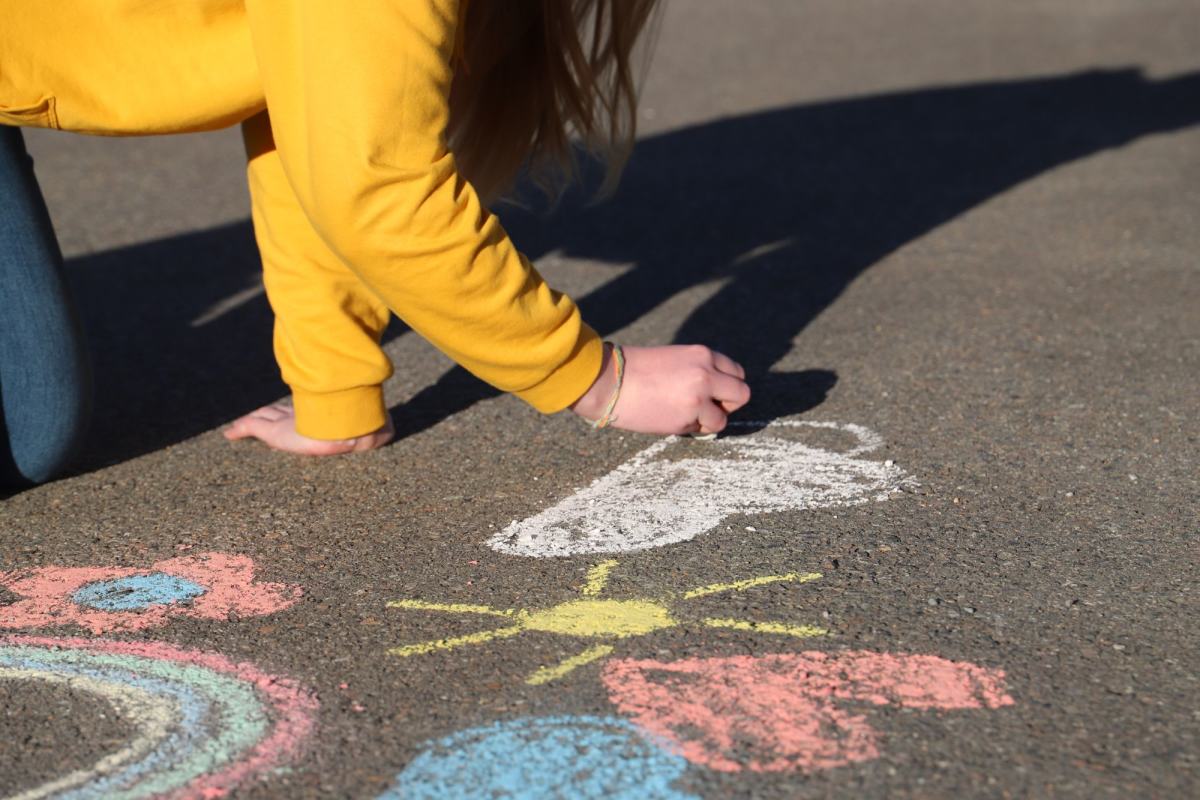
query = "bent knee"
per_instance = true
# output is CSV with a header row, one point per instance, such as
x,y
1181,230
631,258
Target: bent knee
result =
x,y
38,447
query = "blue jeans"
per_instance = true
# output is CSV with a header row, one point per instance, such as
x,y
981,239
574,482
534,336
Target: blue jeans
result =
x,y
45,374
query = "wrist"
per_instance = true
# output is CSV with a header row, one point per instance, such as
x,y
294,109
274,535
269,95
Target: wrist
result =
x,y
591,404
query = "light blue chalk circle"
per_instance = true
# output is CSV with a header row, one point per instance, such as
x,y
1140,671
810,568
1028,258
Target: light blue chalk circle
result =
x,y
137,592
577,757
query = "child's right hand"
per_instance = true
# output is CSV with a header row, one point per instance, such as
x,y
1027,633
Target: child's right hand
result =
x,y
669,390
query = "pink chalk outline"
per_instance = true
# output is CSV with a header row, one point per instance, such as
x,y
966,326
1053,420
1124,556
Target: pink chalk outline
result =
x,y
294,709
228,581
780,713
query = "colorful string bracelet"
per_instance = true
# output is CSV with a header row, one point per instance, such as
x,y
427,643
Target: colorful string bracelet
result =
x,y
607,418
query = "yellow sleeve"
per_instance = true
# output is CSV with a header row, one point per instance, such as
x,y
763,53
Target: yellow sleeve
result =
x,y
328,325
358,102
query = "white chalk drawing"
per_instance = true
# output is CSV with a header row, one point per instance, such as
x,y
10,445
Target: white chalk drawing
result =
x,y
677,489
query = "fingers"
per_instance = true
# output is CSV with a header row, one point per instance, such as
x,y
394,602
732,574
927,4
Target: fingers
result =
x,y
249,427
711,418
254,424
725,364
274,425
728,381
732,393
727,391
273,412
238,430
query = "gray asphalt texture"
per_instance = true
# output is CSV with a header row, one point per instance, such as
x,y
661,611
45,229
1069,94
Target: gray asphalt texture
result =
x,y
968,226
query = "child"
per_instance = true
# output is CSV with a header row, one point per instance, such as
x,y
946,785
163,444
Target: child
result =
x,y
375,139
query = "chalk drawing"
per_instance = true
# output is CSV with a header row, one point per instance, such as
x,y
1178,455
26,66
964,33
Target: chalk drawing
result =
x,y
654,499
137,592
103,599
580,757
781,713
203,724
598,619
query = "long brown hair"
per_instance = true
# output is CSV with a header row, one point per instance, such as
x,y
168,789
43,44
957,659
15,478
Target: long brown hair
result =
x,y
536,74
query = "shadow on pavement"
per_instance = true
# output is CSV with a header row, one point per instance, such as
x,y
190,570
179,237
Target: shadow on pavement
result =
x,y
784,207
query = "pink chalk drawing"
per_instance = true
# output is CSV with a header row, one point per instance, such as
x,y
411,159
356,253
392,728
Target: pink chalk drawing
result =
x,y
213,586
782,713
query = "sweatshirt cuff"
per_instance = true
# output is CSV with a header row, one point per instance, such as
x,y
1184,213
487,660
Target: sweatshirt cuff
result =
x,y
571,379
339,415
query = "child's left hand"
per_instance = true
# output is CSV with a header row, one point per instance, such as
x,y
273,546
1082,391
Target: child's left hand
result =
x,y
275,425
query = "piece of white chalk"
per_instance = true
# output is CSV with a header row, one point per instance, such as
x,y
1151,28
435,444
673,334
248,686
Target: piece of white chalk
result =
x,y
703,437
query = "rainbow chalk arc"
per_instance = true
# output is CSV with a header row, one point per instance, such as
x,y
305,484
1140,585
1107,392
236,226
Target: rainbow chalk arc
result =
x,y
204,724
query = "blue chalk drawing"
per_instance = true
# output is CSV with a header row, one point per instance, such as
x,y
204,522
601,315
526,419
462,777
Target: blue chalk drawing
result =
x,y
137,592
579,757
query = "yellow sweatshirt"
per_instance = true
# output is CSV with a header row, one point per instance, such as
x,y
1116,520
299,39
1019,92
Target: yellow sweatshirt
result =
x,y
358,206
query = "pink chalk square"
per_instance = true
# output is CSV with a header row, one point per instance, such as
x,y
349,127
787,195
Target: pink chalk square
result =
x,y
784,713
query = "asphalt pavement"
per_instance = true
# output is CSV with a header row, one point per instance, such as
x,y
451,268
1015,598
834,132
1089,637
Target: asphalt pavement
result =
x,y
951,549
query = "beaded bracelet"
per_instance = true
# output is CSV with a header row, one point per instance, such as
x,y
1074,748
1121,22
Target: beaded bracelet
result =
x,y
607,417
